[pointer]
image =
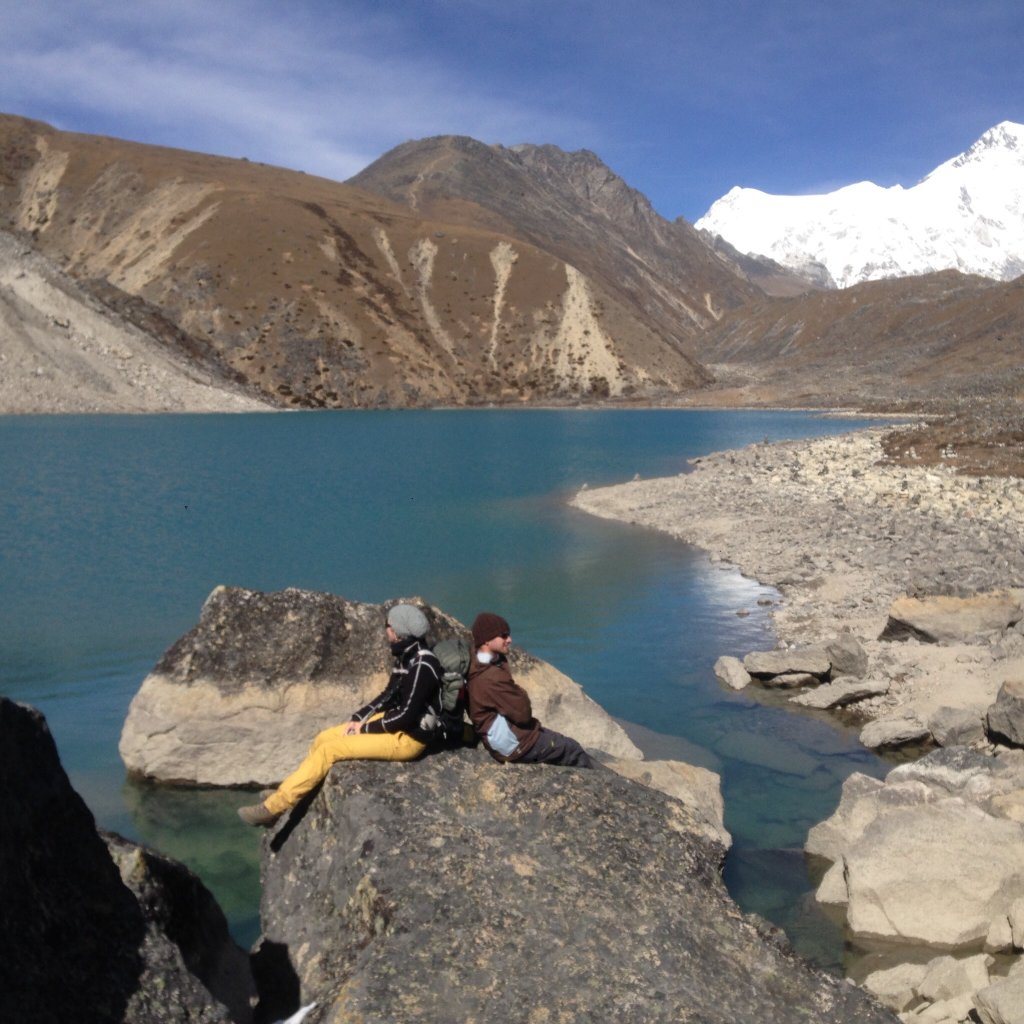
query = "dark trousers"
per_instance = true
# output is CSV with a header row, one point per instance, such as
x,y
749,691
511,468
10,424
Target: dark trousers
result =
x,y
554,748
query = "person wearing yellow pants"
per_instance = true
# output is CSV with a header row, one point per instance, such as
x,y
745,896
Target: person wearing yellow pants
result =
x,y
397,725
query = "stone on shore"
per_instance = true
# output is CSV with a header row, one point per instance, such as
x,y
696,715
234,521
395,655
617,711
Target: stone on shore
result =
x,y
847,656
957,727
894,732
1005,718
78,943
730,671
455,889
1002,1002
840,692
933,856
948,619
237,700
810,660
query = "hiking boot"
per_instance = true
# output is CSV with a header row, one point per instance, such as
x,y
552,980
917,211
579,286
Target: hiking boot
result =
x,y
257,814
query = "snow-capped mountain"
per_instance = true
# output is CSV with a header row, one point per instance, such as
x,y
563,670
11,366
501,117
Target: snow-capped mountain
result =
x,y
967,215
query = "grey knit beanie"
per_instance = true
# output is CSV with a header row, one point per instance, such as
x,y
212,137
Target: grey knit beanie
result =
x,y
408,620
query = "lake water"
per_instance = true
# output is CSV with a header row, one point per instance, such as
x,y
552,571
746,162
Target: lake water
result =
x,y
114,529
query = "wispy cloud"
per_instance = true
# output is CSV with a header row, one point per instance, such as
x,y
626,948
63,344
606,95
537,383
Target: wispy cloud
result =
x,y
275,82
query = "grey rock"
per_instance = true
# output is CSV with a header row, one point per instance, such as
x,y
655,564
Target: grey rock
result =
x,y
812,660
953,727
1002,1002
175,903
454,889
790,680
237,700
840,692
1005,718
78,944
894,732
847,656
730,671
947,977
948,619
948,770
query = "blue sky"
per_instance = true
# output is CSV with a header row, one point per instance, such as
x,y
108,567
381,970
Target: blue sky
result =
x,y
683,99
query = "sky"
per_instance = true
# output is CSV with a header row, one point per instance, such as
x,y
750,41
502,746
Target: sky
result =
x,y
682,98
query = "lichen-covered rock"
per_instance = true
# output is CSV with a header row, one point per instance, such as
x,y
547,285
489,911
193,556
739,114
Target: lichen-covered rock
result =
x,y
77,944
455,889
237,700
175,903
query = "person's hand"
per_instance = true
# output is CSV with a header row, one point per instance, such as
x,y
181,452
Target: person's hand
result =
x,y
352,727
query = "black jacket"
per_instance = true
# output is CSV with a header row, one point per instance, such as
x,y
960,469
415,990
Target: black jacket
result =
x,y
413,691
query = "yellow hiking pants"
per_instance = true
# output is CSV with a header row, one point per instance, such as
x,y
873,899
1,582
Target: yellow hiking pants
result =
x,y
335,745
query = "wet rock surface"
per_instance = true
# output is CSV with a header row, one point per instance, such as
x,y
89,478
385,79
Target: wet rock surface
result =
x,y
80,945
457,889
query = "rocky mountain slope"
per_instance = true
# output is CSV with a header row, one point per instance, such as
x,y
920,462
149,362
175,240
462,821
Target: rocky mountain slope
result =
x,y
63,350
967,215
923,342
321,294
572,205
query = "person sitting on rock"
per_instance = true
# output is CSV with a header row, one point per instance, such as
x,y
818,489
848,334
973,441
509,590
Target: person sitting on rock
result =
x,y
500,709
397,725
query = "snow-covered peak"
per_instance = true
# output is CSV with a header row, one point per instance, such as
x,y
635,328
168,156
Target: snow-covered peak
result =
x,y
968,215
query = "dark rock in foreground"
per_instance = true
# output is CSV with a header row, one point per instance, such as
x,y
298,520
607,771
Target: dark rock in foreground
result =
x,y
77,944
454,889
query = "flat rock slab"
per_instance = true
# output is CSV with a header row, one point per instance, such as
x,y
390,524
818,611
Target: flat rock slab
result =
x,y
238,699
841,692
943,619
459,890
894,732
811,660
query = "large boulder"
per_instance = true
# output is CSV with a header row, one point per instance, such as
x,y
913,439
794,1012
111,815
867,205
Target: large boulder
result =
x,y
237,700
455,889
946,619
934,856
79,944
899,882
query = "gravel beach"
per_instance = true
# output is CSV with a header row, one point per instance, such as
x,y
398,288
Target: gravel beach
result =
x,y
842,534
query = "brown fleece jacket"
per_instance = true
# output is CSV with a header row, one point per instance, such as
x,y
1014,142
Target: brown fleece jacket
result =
x,y
493,691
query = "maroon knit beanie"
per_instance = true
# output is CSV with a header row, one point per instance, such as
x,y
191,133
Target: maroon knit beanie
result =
x,y
486,626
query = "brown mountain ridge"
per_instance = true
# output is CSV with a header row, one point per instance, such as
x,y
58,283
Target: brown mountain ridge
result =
x,y
323,294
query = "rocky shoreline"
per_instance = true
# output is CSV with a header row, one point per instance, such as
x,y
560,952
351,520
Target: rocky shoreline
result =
x,y
842,534
902,608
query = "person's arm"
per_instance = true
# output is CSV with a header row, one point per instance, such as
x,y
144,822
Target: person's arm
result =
x,y
418,685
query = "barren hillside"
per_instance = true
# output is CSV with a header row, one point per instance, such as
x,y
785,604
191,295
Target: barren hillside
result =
x,y
320,294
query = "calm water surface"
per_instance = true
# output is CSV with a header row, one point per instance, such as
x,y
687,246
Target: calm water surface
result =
x,y
114,529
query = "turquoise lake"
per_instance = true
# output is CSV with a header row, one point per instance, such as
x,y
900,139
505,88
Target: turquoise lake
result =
x,y
114,529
